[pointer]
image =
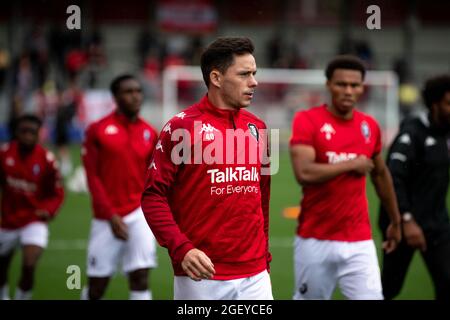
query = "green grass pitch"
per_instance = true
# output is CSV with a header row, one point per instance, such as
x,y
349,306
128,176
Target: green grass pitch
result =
x,y
69,233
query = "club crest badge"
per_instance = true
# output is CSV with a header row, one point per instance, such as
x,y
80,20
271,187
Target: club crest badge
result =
x,y
147,135
365,131
36,169
254,130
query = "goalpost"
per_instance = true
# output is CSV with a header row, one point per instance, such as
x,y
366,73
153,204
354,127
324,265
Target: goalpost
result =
x,y
282,92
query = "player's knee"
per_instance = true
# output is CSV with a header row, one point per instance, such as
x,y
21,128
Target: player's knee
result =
x,y
139,280
96,292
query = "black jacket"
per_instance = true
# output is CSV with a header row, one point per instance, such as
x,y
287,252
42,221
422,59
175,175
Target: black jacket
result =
x,y
419,160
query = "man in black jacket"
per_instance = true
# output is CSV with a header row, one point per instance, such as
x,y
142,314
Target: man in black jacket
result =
x,y
419,163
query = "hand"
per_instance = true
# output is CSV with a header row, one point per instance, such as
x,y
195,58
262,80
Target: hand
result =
x,y
197,265
43,215
393,237
414,236
119,228
362,165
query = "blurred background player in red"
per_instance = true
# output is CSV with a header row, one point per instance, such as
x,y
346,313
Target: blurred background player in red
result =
x,y
419,160
333,148
32,193
218,237
116,154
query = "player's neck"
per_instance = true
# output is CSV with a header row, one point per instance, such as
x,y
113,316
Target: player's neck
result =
x,y
217,101
24,151
341,115
130,117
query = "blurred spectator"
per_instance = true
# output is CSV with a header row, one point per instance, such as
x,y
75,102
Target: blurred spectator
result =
x,y
408,90
4,64
274,50
69,101
194,51
147,42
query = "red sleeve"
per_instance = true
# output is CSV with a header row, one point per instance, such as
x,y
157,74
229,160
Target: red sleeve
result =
x,y
54,191
160,178
265,197
378,144
302,129
154,142
89,153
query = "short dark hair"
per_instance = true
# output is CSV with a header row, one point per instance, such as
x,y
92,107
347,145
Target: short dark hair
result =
x,y
345,62
115,84
435,88
220,54
28,118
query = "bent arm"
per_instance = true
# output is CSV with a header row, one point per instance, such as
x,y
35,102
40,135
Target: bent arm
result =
x,y
307,171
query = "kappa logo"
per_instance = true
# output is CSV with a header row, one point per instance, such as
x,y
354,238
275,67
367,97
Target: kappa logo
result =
x,y
167,128
328,130
430,141
152,165
111,129
208,129
405,139
10,162
254,130
181,115
159,146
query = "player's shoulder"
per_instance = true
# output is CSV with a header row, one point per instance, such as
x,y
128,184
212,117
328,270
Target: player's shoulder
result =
x,y
414,128
252,118
310,114
185,119
415,122
367,117
5,147
101,123
44,154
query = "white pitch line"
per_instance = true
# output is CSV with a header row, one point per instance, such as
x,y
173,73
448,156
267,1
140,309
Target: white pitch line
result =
x,y
81,244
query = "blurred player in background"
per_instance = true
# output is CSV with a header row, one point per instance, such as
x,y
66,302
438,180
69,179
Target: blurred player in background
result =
x,y
333,148
419,162
116,154
32,193
213,217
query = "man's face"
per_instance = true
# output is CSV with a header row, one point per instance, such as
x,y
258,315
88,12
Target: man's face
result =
x,y
345,86
238,83
443,110
27,134
129,97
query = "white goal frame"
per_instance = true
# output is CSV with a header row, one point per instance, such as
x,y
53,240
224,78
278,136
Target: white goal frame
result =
x,y
286,76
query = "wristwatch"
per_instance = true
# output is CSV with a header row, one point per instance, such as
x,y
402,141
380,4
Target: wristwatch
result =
x,y
407,217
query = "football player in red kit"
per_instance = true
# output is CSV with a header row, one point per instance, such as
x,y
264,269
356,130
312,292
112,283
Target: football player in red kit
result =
x,y
32,193
333,148
116,153
212,213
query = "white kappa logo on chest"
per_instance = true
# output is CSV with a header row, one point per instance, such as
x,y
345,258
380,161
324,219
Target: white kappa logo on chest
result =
x,y
111,129
208,129
328,130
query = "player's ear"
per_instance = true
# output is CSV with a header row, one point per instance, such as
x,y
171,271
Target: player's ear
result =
x,y
215,78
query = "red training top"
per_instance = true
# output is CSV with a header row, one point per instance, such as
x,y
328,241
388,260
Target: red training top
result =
x,y
28,183
216,200
336,209
116,153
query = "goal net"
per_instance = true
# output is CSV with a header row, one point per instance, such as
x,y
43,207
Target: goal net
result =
x,y
282,92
